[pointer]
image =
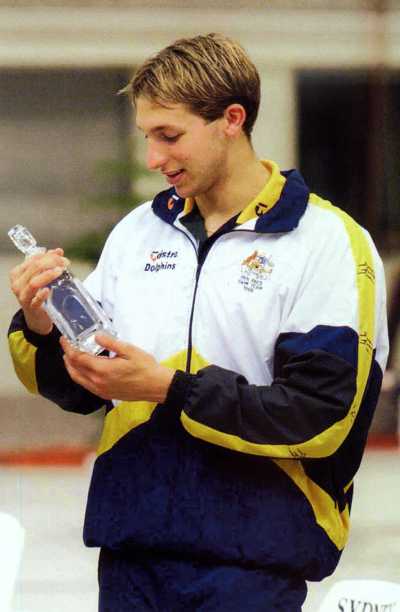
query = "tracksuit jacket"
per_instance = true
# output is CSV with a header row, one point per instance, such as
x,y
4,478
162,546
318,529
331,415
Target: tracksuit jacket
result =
x,y
276,326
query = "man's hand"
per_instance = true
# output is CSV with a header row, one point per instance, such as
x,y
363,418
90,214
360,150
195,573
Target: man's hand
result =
x,y
131,375
29,283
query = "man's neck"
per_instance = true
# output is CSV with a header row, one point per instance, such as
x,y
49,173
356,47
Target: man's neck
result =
x,y
243,180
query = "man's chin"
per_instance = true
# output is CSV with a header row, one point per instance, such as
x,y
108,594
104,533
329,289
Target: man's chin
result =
x,y
183,192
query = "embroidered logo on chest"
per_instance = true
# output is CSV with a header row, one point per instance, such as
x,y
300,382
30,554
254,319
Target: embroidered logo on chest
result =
x,y
161,260
255,269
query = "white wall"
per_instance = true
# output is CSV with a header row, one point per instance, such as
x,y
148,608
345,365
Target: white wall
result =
x,y
279,41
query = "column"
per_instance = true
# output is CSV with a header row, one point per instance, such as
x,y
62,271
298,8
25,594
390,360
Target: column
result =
x,y
275,131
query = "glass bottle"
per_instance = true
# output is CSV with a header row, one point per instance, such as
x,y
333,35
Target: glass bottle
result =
x,y
70,306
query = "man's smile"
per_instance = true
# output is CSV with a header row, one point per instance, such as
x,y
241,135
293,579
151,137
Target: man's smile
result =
x,y
174,176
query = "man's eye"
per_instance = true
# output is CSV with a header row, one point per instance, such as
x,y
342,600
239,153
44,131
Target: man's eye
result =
x,y
170,138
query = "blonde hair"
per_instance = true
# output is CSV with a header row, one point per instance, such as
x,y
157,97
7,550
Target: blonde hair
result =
x,y
206,73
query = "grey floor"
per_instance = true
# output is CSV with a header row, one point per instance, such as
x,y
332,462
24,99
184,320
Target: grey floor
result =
x,y
58,574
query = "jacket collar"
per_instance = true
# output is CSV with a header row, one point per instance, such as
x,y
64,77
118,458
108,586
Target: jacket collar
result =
x,y
277,208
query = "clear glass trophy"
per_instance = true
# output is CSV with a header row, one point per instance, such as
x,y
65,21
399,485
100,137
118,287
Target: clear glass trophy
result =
x,y
70,306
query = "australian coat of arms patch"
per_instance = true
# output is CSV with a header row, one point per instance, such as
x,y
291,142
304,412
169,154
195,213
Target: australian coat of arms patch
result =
x,y
255,269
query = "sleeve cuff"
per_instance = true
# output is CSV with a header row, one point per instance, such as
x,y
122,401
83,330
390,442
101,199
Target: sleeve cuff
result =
x,y
37,340
179,389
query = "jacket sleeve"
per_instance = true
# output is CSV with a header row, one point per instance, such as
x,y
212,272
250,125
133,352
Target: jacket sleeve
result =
x,y
38,362
328,364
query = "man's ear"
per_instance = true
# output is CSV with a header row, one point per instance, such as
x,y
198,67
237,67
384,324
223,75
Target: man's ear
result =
x,y
235,116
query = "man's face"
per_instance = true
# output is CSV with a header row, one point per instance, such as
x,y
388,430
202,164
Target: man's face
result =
x,y
189,152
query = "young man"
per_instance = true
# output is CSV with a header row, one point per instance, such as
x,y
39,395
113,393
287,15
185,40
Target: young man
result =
x,y
252,340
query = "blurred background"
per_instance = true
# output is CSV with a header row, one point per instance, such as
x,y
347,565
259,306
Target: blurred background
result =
x,y
72,165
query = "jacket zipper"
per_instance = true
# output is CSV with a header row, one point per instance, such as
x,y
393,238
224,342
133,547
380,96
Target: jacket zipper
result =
x,y
190,346
201,254
201,257
199,265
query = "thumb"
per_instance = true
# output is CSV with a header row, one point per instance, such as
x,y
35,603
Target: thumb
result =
x,y
122,349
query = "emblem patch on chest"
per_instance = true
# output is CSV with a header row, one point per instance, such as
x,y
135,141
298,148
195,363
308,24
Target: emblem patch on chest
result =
x,y
255,269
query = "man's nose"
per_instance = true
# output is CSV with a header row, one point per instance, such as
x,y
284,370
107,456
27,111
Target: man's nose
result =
x,y
156,158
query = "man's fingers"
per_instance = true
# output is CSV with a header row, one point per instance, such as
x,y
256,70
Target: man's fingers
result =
x,y
29,290
50,260
79,377
85,370
122,349
88,365
40,263
33,275
40,297
76,357
44,278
